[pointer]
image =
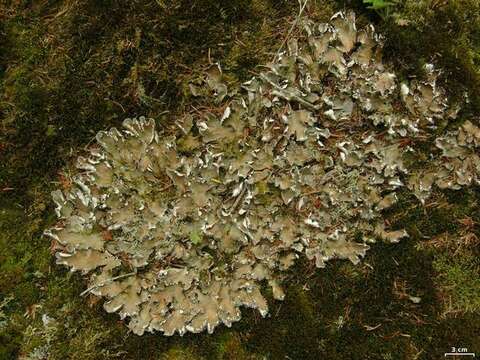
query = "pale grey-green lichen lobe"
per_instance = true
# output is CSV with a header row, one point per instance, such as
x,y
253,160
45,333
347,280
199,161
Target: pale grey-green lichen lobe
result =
x,y
179,228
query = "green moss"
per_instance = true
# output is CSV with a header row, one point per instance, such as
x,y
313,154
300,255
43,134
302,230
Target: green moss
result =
x,y
459,285
175,353
229,347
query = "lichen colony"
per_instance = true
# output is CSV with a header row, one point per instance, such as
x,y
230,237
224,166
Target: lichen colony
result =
x,y
179,226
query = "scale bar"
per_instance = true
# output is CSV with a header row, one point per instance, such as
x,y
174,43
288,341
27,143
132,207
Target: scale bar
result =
x,y
460,354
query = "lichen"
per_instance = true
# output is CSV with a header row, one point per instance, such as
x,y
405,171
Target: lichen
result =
x,y
178,227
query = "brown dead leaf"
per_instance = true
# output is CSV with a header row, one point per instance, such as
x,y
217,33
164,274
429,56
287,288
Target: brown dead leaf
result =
x,y
65,182
107,235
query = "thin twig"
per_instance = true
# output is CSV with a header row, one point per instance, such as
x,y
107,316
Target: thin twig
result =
x,y
302,7
106,282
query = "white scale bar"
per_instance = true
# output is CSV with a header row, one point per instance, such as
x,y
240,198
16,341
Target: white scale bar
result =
x,y
460,354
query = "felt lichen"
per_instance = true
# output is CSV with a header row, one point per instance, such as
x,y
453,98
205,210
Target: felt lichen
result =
x,y
180,226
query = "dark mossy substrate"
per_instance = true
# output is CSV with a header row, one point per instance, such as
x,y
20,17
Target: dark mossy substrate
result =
x,y
71,68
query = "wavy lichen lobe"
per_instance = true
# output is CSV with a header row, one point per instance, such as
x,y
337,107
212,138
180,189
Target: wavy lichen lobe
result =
x,y
178,228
